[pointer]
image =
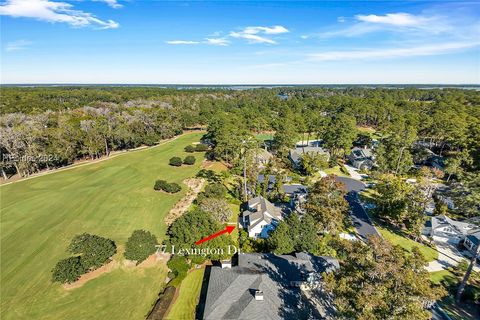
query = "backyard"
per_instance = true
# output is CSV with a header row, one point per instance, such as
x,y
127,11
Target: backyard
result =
x,y
185,305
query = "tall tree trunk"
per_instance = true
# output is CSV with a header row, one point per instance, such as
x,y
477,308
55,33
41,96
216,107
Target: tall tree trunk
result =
x,y
107,152
467,274
4,174
399,158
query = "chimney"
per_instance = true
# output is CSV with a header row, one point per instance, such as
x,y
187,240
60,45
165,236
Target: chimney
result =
x,y
226,264
258,295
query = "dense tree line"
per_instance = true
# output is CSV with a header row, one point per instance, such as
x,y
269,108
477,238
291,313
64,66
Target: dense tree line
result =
x,y
48,127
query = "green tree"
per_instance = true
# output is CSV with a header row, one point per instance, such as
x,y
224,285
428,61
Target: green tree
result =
x,y
140,245
379,281
68,270
340,134
327,205
94,250
313,162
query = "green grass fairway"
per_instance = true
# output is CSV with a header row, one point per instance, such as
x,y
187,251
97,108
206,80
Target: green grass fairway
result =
x,y
408,244
111,198
187,300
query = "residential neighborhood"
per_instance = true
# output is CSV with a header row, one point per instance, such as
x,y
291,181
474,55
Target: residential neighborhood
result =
x,y
240,160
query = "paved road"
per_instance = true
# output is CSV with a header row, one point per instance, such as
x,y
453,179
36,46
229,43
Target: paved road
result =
x,y
361,220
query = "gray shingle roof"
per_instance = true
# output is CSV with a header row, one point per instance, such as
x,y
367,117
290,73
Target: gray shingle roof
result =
x,y
264,211
296,153
230,293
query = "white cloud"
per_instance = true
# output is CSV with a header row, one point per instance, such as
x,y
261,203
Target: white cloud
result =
x,y
395,19
425,50
187,42
53,11
112,3
341,19
252,38
17,45
256,34
217,41
266,30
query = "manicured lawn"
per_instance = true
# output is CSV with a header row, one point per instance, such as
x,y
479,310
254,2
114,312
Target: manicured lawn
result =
x,y
187,300
429,253
111,198
438,276
336,171
264,136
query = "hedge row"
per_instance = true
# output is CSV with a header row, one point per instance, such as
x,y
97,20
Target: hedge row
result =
x,y
196,148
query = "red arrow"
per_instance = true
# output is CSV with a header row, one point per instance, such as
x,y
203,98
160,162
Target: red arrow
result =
x,y
228,229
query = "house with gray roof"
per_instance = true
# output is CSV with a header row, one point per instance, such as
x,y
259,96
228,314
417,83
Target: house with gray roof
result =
x,y
472,241
267,286
361,158
313,147
261,217
448,230
297,193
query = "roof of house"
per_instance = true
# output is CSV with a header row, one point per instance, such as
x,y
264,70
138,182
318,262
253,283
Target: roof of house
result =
x,y
296,153
262,154
264,211
361,153
230,293
291,189
442,221
474,237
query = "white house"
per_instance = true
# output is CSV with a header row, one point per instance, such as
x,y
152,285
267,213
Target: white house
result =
x,y
445,229
261,217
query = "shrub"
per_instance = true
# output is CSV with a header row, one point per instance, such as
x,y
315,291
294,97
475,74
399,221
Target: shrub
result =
x,y
160,185
140,245
201,147
173,188
167,187
189,160
94,250
68,270
190,148
178,265
175,161
215,190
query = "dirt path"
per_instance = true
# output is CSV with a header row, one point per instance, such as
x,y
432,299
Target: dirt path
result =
x,y
195,185
112,265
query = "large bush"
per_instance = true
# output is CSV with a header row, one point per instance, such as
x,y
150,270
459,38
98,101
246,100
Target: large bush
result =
x,y
178,265
190,148
201,147
68,270
166,186
94,251
140,245
175,161
189,160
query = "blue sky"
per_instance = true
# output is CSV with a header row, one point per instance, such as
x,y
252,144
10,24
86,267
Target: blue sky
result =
x,y
249,42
